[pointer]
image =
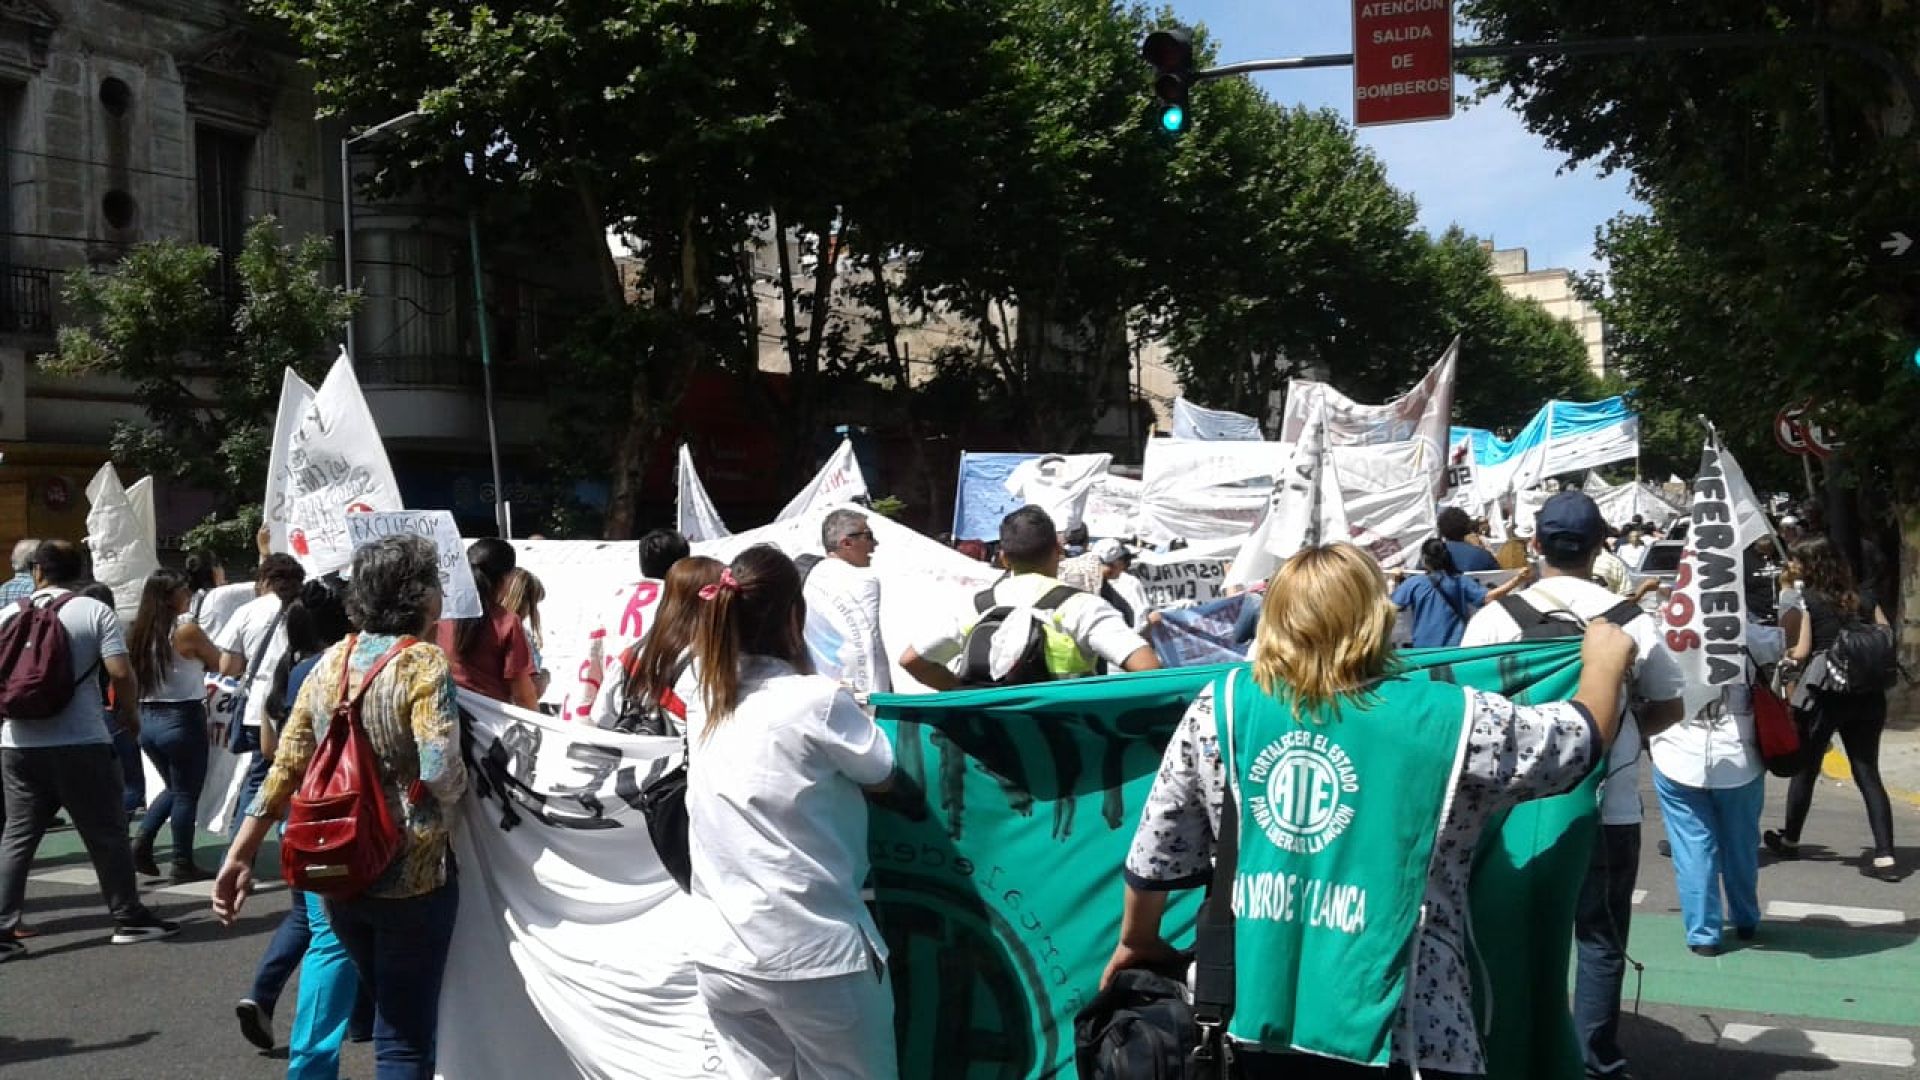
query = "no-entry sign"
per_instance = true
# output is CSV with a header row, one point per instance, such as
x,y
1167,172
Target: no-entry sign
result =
x,y
1402,61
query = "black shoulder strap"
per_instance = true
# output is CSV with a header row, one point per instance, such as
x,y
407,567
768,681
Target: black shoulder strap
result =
x,y
1213,986
266,645
1623,612
983,601
1055,597
1522,613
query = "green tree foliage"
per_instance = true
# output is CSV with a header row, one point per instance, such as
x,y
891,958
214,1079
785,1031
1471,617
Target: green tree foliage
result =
x,y
1769,173
208,383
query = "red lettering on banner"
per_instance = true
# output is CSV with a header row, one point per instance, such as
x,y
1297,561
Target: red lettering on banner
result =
x,y
633,621
1682,640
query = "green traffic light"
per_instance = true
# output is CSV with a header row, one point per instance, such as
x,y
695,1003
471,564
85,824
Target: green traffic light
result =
x,y
1174,119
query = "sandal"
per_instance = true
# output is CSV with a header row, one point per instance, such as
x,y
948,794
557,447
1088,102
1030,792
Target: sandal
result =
x,y
1780,845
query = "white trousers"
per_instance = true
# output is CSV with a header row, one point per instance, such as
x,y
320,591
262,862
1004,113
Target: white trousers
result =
x,y
837,1028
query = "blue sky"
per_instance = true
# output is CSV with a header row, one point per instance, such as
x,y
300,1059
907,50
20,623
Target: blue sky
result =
x,y
1482,169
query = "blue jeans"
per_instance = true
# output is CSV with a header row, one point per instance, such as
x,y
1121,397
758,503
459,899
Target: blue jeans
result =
x,y
133,775
328,985
1715,836
1600,924
258,764
290,942
400,948
174,735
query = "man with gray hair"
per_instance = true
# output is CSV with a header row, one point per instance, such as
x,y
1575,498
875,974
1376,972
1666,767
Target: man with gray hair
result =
x,y
843,605
21,585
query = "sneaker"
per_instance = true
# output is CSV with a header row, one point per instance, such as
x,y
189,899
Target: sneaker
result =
x,y
1885,868
1780,845
1704,950
11,946
144,926
256,1023
183,873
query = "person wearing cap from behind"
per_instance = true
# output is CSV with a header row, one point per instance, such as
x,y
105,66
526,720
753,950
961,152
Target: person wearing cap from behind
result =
x,y
1121,589
1568,535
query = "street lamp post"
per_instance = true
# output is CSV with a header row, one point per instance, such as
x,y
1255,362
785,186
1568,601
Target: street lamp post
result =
x,y
385,127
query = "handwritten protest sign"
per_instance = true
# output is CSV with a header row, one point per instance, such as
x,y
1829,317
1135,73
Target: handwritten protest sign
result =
x,y
327,462
1181,578
459,596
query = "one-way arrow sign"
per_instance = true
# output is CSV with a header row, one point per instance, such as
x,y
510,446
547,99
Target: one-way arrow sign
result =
x,y
1895,246
1896,243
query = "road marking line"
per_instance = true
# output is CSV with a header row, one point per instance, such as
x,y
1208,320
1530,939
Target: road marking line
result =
x,y
1834,1046
1794,911
1639,895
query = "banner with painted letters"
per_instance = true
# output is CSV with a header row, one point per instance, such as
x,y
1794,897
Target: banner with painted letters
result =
x,y
1304,508
459,595
1706,615
1202,490
838,482
1423,414
1185,577
327,462
996,867
597,604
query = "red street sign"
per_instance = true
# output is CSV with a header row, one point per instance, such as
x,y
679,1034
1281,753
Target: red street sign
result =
x,y
1402,61
1789,429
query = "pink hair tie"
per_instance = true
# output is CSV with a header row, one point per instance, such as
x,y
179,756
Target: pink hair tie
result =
x,y
727,583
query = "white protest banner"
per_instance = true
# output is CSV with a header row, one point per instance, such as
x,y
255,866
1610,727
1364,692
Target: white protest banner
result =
x,y
1423,413
596,605
1113,507
1060,484
1305,507
838,481
1203,490
696,517
1706,616
1191,421
140,497
123,553
569,956
1185,577
1392,524
327,462
459,596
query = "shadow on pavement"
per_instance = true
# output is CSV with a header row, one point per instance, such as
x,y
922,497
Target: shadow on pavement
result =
x,y
25,1050
1655,1049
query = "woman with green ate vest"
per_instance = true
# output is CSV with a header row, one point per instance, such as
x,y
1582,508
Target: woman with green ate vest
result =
x,y
1361,795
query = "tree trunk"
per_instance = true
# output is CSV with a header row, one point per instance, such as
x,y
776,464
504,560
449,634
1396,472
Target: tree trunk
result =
x,y
1903,705
611,291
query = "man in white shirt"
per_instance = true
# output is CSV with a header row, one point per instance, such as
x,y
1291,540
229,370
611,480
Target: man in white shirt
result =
x,y
1081,631
253,640
67,759
1129,594
843,606
1568,534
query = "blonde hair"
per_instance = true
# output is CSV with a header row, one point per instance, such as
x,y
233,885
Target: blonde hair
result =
x,y
522,594
1326,628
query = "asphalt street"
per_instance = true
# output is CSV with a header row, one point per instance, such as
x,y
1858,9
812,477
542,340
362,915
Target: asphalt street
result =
x,y
1831,988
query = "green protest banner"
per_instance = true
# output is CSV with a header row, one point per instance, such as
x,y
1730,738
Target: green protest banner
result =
x,y
996,865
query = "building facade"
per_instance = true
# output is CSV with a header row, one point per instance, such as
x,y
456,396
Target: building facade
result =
x,y
1553,289
127,121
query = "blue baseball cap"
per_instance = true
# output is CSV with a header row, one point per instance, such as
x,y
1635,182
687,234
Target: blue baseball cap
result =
x,y
1570,524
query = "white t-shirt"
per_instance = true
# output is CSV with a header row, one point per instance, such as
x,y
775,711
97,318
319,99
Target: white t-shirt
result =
x,y
246,635
778,827
1716,747
1134,592
212,609
843,626
1656,676
93,635
1086,618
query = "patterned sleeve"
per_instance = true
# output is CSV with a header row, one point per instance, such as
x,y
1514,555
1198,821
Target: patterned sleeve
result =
x,y
435,719
296,742
1521,752
1173,846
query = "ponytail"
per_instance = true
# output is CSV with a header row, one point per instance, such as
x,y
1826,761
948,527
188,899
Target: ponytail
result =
x,y
753,609
1437,559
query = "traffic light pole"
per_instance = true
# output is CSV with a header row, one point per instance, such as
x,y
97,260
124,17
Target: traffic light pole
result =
x,y
1889,64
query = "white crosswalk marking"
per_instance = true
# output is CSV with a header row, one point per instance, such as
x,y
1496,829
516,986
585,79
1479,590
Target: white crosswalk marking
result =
x,y
1836,1046
1794,911
83,875
1639,895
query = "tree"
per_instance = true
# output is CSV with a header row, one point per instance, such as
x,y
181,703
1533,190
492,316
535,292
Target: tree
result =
x,y
209,384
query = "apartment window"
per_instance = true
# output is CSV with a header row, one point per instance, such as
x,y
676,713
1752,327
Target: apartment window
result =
x,y
220,179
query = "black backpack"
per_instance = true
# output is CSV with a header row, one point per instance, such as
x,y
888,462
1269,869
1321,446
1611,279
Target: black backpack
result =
x,y
1862,659
1031,667
1537,625
805,565
1139,1028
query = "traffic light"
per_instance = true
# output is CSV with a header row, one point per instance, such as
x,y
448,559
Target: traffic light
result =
x,y
1170,51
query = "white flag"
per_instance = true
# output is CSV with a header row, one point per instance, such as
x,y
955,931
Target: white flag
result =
x,y
1060,484
697,519
1191,421
140,497
1706,617
327,462
1306,508
123,555
838,481
1424,413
